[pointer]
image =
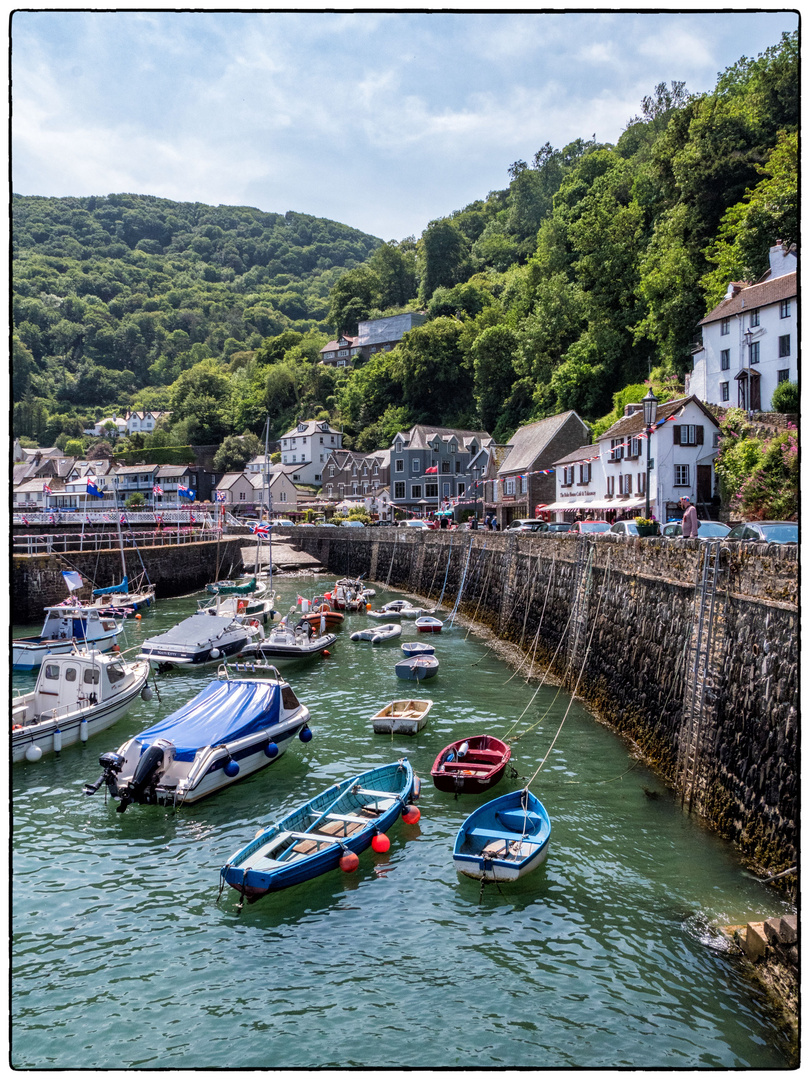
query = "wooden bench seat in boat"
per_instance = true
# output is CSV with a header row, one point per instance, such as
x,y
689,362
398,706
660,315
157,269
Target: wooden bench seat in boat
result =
x,y
457,766
483,755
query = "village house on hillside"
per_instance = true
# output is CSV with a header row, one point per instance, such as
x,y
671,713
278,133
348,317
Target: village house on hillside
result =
x,y
749,341
431,464
523,484
307,446
608,480
373,336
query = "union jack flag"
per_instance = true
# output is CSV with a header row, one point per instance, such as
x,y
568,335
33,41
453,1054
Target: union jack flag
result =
x,y
47,489
157,489
260,530
123,519
220,496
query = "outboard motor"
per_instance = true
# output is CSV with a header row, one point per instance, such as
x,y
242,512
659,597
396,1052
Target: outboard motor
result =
x,y
112,764
140,789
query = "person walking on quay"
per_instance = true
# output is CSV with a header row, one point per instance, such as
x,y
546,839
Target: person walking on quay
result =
x,y
689,525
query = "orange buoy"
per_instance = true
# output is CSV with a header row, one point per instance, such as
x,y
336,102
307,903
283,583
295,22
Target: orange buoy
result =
x,y
380,842
326,653
411,814
137,616
349,862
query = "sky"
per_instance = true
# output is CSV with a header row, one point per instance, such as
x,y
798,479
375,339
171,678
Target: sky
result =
x,y
381,121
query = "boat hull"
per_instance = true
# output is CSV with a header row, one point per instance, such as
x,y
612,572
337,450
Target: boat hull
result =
x,y
27,654
95,718
480,768
428,625
367,804
416,648
401,717
417,668
503,840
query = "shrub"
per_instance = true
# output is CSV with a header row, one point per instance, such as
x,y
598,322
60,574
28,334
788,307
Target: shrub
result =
x,y
786,398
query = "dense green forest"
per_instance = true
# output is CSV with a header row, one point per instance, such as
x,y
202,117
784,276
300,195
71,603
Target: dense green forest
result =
x,y
581,279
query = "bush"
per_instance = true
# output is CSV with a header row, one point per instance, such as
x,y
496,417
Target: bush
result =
x,y
786,398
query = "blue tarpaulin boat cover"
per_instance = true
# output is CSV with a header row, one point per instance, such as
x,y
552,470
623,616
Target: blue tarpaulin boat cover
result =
x,y
122,588
221,713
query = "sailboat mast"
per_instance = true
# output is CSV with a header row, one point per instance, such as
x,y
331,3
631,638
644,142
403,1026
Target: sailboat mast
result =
x,y
266,480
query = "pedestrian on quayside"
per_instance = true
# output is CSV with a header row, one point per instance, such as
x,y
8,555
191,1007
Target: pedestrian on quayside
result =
x,y
689,524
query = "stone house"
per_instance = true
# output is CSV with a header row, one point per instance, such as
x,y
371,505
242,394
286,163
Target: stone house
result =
x,y
750,339
352,474
525,478
373,336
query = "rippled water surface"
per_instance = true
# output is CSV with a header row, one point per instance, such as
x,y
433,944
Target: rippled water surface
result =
x,y
122,956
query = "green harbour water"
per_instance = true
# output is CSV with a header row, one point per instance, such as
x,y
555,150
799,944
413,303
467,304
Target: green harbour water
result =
x,y
122,955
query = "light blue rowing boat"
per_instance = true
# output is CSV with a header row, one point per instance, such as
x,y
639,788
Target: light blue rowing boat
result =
x,y
504,839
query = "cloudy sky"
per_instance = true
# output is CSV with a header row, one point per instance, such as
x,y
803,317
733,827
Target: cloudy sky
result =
x,y
381,121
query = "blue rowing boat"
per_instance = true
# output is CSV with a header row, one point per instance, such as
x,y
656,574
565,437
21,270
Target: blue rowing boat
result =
x,y
504,839
313,839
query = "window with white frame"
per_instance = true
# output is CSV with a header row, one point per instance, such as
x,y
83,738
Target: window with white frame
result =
x,y
616,449
241,496
585,472
399,489
725,359
688,434
415,465
399,465
329,488
626,484
445,489
331,470
509,486
282,496
568,475
681,476
524,484
416,491
634,447
354,489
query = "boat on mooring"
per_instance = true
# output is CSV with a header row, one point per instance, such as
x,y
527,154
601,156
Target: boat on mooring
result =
x,y
504,839
328,831
417,668
250,600
67,626
291,642
235,726
404,717
428,624
76,696
202,638
378,634
470,766
350,594
414,648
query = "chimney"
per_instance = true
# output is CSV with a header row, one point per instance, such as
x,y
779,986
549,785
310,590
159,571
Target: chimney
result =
x,y
734,288
634,408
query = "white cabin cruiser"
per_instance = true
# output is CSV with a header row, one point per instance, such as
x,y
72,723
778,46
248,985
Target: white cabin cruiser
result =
x,y
288,642
67,625
202,638
232,728
75,696
257,603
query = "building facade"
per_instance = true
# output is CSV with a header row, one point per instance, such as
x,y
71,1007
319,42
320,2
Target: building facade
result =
x,y
749,342
349,474
431,465
373,336
608,480
525,478
307,446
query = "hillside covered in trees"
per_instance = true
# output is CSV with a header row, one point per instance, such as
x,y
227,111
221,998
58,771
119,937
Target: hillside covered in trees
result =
x,y
584,277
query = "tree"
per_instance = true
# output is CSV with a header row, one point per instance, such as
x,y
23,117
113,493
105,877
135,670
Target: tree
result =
x,y
395,268
433,373
442,257
493,351
353,296
201,402
236,451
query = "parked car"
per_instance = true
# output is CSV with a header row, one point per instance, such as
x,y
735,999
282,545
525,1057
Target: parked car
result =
x,y
707,530
282,521
353,523
624,528
560,526
590,527
527,525
766,532
414,523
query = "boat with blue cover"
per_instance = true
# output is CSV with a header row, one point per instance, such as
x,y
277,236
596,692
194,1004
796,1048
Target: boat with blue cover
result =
x,y
235,726
312,839
504,839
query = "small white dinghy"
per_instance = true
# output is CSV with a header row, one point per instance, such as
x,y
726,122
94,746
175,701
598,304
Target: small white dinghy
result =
x,y
402,717
76,696
378,634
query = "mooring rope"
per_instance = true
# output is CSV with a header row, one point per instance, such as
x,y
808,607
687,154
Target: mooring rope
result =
x,y
480,594
461,586
447,571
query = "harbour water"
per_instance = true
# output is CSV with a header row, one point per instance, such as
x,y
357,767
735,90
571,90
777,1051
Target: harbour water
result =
x,y
124,956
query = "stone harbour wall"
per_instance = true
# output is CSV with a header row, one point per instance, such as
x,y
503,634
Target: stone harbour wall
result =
x,y
636,624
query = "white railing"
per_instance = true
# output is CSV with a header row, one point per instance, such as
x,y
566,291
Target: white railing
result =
x,y
56,543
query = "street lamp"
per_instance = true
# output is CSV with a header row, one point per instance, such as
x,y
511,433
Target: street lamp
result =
x,y
650,403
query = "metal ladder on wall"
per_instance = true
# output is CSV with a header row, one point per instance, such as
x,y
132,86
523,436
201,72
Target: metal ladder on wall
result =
x,y
701,680
580,589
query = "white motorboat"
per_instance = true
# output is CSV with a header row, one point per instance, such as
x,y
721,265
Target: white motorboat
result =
x,y
202,638
67,625
378,634
403,608
233,727
288,642
240,603
76,696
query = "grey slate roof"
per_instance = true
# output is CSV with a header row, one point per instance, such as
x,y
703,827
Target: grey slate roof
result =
x,y
529,442
419,435
392,328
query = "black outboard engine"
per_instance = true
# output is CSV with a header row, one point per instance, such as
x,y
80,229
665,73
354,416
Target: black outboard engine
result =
x,y
112,764
141,788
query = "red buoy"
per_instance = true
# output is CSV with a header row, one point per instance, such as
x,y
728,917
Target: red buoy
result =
x,y
380,842
326,652
411,814
349,862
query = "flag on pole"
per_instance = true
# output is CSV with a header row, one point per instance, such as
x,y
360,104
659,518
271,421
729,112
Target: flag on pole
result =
x,y
220,496
92,489
47,489
432,469
186,493
157,489
73,579
123,519
260,530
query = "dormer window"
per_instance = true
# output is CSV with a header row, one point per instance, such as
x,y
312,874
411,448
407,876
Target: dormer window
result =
x,y
398,446
302,427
